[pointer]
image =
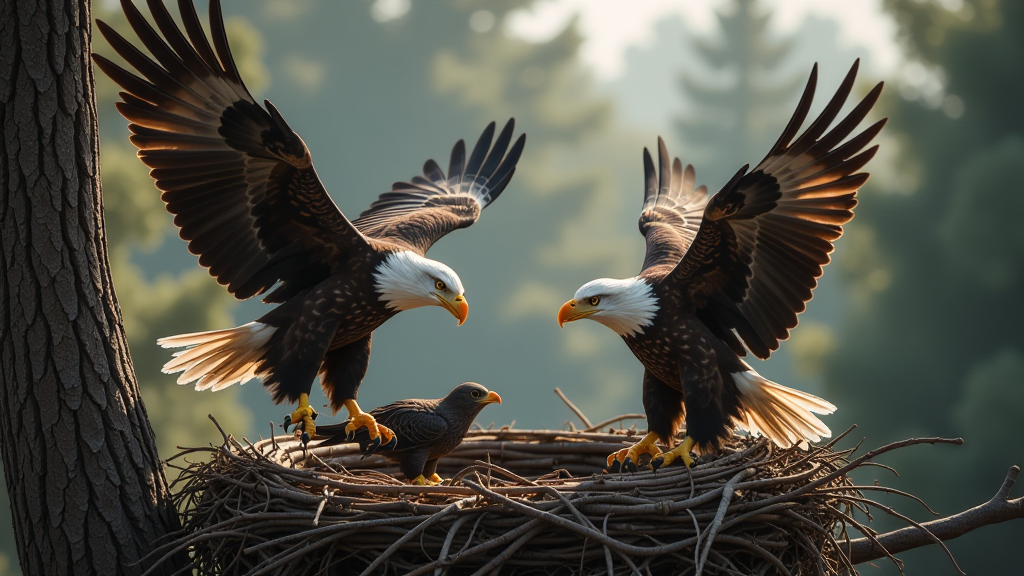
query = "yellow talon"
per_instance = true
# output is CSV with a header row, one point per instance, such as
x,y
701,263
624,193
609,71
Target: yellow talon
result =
x,y
421,481
305,414
360,419
627,458
386,434
681,452
435,479
644,446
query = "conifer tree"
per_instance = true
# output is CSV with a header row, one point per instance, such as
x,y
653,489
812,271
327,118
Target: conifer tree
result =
x,y
738,117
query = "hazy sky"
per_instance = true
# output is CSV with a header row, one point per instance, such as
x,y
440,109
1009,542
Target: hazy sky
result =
x,y
610,27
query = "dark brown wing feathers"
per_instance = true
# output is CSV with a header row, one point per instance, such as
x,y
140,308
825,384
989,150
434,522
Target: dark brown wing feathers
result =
x,y
420,212
237,178
766,235
416,423
672,209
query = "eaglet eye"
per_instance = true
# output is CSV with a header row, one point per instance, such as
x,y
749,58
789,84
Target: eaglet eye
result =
x,y
475,393
439,285
594,300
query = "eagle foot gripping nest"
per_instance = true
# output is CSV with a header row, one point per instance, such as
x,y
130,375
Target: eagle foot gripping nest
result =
x,y
528,501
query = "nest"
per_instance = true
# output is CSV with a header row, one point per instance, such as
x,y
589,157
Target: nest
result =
x,y
519,501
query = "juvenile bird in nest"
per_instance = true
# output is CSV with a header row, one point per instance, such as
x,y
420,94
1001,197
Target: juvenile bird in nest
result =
x,y
425,430
244,193
728,273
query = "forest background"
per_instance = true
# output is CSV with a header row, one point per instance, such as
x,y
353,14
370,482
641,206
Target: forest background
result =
x,y
913,331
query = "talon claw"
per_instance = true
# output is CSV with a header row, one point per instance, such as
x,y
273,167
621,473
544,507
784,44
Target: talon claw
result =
x,y
374,445
304,438
391,444
628,465
287,421
657,463
314,415
615,466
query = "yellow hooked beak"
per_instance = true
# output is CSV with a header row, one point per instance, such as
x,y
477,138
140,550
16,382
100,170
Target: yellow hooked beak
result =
x,y
491,398
457,306
572,311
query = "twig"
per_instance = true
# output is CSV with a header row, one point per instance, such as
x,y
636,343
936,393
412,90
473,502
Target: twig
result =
x,y
409,535
727,493
579,413
507,553
449,538
618,418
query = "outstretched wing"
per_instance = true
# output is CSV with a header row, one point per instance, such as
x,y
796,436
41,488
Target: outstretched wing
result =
x,y
238,180
767,234
421,212
673,207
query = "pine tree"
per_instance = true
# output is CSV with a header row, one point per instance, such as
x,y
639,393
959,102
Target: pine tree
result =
x,y
735,122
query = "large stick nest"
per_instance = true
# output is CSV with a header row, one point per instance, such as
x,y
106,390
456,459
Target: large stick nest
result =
x,y
522,501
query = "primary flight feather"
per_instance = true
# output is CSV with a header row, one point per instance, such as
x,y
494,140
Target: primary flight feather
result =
x,y
244,194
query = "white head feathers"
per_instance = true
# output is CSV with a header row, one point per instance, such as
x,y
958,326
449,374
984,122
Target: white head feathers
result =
x,y
406,280
625,306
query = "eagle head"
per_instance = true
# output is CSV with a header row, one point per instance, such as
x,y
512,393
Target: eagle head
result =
x,y
470,397
625,306
406,280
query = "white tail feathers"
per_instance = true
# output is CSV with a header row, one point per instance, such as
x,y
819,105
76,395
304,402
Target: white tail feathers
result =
x,y
217,359
780,413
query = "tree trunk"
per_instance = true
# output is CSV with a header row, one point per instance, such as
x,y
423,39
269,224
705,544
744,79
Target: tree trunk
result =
x,y
88,495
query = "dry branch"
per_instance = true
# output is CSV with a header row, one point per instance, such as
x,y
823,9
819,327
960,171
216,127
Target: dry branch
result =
x,y
1000,508
538,500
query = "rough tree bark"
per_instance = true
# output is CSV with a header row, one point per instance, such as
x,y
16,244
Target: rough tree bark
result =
x,y
87,491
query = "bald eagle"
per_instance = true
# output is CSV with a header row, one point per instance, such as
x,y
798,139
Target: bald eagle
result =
x,y
729,273
243,191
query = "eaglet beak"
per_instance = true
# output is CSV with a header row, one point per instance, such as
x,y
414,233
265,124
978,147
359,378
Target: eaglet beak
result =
x,y
572,311
491,398
457,306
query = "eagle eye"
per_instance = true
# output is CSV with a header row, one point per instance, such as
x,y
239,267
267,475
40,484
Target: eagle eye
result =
x,y
475,393
439,285
594,300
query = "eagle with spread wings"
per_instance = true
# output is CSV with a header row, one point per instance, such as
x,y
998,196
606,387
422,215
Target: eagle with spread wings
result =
x,y
729,273
245,196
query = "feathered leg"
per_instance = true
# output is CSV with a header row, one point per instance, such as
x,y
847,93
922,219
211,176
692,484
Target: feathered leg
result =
x,y
295,353
706,407
341,373
663,405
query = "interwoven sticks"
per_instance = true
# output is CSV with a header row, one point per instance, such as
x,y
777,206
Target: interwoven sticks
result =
x,y
524,502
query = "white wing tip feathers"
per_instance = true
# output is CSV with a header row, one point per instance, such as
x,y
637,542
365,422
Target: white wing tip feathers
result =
x,y
784,415
217,359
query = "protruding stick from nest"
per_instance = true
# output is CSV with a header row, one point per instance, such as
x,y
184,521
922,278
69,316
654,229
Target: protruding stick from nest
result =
x,y
579,413
999,509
